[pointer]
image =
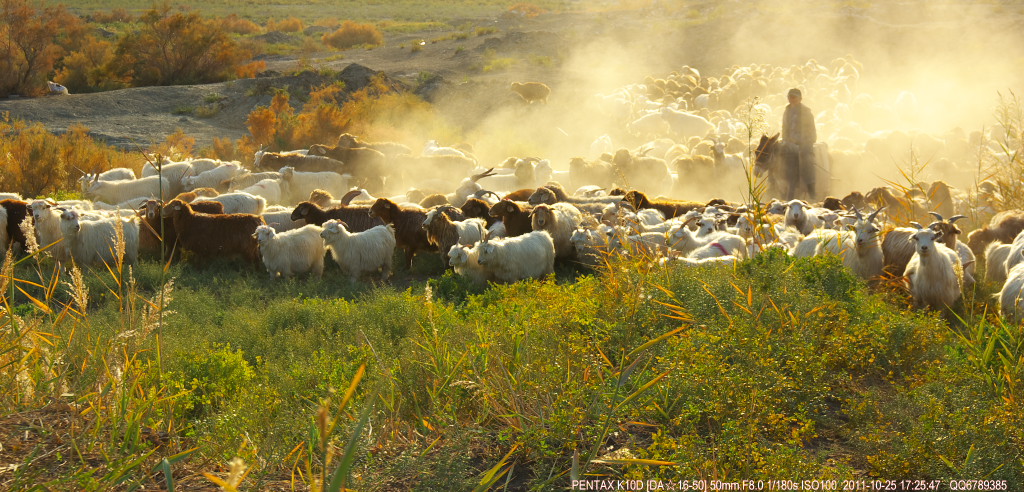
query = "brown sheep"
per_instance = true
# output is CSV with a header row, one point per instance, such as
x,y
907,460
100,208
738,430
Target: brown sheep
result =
x,y
477,208
272,161
209,236
408,224
519,195
515,216
17,211
832,203
442,231
553,192
1003,227
389,149
532,91
324,199
357,217
668,208
150,231
854,200
433,200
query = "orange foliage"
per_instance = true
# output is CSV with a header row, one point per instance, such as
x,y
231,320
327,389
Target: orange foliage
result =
x,y
176,48
34,40
353,34
290,24
237,25
84,70
249,70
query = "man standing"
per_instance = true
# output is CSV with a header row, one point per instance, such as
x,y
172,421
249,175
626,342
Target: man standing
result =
x,y
798,137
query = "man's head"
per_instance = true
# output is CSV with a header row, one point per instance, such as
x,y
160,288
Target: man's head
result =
x,y
795,96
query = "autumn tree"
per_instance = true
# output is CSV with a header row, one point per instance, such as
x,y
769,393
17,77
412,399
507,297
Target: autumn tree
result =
x,y
32,40
176,48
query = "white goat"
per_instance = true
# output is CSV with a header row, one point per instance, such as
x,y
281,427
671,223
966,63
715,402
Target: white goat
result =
x,y
530,255
124,190
238,202
359,253
995,261
212,178
46,216
463,259
559,220
934,273
272,190
301,184
291,252
1011,297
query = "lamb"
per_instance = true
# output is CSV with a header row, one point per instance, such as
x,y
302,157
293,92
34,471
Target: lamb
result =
x,y
356,218
1004,226
532,91
302,184
94,242
212,178
359,253
934,273
670,209
1011,296
238,202
444,230
559,220
14,212
209,236
463,259
121,191
408,225
291,252
530,255
514,215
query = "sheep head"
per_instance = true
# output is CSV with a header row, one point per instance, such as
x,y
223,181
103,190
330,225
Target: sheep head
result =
x,y
541,217
69,220
302,210
287,173
542,195
925,240
487,250
458,255
503,208
321,198
348,141
383,208
175,208
263,234
153,208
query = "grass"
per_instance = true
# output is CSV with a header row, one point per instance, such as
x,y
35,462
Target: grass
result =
x,y
779,366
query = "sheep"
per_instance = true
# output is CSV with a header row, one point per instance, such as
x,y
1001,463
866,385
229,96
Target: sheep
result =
x,y
156,229
463,259
477,208
643,173
94,242
514,215
389,149
553,193
116,174
248,179
238,202
302,184
407,222
291,252
1011,296
720,244
934,274
280,218
995,262
356,218
15,211
359,253
531,91
46,215
11,196
583,172
271,190
210,236
685,125
798,217
124,190
432,147
272,161
444,230
360,162
530,255
859,247
897,247
559,220
670,209
1004,226
728,260
212,178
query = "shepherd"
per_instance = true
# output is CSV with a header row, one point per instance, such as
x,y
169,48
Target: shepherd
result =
x,y
798,137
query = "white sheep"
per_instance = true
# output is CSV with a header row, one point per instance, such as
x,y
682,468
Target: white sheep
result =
x,y
272,190
995,261
212,178
93,242
799,216
720,244
359,253
695,262
46,215
530,255
238,202
291,252
116,174
11,196
300,184
685,125
280,218
934,273
463,259
1011,296
124,190
433,148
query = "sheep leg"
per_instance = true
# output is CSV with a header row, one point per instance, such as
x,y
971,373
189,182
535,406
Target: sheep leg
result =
x,y
408,258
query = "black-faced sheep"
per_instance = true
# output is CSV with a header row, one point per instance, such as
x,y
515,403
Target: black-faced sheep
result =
x,y
356,218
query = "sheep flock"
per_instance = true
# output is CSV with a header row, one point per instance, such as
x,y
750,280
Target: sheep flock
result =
x,y
667,182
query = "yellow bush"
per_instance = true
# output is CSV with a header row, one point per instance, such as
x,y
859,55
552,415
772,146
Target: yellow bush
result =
x,y
237,25
84,70
353,34
290,24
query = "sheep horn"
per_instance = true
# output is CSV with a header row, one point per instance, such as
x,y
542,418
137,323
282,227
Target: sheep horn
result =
x,y
485,174
917,225
481,193
956,218
937,216
874,214
856,213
